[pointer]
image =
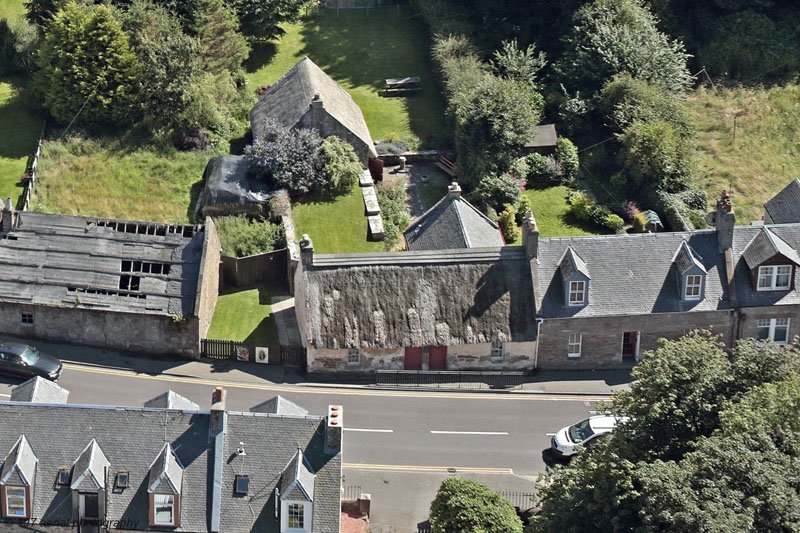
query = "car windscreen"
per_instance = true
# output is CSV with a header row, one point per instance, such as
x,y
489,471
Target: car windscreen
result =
x,y
30,355
580,432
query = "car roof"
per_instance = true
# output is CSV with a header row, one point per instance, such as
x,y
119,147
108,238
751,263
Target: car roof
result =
x,y
13,347
602,423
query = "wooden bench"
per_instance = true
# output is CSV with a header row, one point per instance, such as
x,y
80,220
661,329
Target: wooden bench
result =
x,y
446,166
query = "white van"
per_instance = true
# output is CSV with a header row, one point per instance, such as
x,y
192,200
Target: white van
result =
x,y
571,438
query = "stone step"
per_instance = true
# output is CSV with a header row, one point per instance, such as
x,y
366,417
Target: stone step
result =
x,y
376,227
370,200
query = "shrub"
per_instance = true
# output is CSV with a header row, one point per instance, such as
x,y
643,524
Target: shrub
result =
x,y
525,204
519,168
567,156
613,222
629,209
497,191
241,237
508,224
517,64
581,205
341,165
464,506
639,223
392,201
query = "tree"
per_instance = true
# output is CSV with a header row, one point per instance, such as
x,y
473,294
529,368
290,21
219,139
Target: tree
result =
x,y
497,191
87,65
567,155
464,506
41,12
224,48
342,167
261,19
517,64
614,36
508,224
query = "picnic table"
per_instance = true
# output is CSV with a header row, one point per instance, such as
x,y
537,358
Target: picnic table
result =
x,y
399,86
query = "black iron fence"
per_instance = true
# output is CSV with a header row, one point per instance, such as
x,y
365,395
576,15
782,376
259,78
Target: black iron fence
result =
x,y
449,379
223,350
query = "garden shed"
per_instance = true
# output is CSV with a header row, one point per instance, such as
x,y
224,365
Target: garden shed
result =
x,y
230,190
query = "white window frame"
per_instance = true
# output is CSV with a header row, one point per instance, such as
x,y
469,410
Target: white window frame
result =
x,y
773,324
770,275
170,505
694,286
497,349
307,514
353,356
7,507
574,344
577,292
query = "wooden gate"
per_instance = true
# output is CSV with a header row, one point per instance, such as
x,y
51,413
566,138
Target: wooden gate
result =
x,y
413,358
438,358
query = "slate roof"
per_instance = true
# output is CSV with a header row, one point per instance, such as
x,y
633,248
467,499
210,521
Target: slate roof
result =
x,y
685,259
166,472
453,223
279,405
419,298
19,466
290,97
172,400
39,390
571,263
297,481
766,245
132,438
88,470
68,260
743,236
784,207
631,274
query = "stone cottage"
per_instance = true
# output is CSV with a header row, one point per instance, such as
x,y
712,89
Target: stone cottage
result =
x,y
139,286
306,97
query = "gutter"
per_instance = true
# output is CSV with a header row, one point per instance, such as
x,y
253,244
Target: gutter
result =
x,y
539,322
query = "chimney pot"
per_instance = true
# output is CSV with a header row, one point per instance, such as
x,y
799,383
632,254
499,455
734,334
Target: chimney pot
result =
x,y
333,430
454,190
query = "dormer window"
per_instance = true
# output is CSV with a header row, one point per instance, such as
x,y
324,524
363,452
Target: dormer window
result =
x,y
15,503
163,509
164,486
693,284
774,278
297,495
16,480
577,291
691,272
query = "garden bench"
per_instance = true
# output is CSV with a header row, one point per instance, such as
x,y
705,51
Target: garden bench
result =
x,y
446,166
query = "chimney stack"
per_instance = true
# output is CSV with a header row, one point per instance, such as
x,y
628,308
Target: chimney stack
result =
x,y
530,235
725,221
317,101
454,191
306,250
333,430
218,411
9,217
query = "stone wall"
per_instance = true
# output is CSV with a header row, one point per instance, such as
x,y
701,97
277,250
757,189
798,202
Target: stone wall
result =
x,y
516,356
749,316
141,333
370,360
207,281
327,125
601,345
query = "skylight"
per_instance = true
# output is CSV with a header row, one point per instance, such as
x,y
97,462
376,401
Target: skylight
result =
x,y
122,479
63,476
241,484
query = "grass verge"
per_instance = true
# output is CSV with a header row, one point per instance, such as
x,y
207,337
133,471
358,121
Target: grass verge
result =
x,y
242,317
11,8
359,49
762,159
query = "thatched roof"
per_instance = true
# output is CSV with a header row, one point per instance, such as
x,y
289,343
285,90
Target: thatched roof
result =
x,y
423,298
290,99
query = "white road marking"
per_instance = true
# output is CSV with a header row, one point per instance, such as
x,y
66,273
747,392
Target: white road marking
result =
x,y
469,432
370,430
6,395
550,434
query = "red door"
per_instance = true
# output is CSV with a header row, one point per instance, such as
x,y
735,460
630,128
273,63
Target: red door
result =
x,y
438,358
413,359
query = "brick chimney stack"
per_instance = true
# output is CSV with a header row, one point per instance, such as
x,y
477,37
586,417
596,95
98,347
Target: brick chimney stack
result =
x,y
454,191
530,235
725,221
218,411
306,250
333,430
9,218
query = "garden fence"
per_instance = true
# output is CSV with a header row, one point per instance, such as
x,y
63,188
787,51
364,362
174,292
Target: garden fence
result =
x,y
29,177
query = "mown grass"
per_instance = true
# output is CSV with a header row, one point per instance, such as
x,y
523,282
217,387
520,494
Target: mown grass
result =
x,y
11,8
359,50
21,128
764,157
244,317
107,178
335,225
552,216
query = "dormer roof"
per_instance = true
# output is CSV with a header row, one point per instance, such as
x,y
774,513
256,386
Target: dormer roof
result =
x,y
172,400
19,466
297,480
279,405
89,469
685,258
766,245
571,263
39,390
166,472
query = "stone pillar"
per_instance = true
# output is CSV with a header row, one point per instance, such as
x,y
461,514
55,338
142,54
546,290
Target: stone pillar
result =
x,y
530,235
725,221
8,217
306,250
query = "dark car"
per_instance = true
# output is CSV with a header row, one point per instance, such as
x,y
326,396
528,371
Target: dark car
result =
x,y
27,361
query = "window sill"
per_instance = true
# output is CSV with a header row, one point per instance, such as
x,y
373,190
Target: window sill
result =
x,y
573,355
772,289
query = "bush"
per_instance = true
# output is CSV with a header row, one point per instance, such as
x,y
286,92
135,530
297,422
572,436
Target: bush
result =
x,y
508,224
392,201
581,205
525,204
497,191
613,222
629,210
341,164
567,156
519,168
516,64
241,237
464,506
19,40
639,223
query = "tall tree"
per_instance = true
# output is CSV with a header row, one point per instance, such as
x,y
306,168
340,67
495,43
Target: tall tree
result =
x,y
261,19
224,48
464,506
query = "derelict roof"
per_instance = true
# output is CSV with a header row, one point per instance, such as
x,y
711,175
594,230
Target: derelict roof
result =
x,y
419,298
631,274
227,181
544,137
46,254
289,99
39,390
784,207
453,223
743,237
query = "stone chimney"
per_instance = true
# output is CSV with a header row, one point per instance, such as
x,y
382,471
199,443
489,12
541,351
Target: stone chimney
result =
x,y
217,411
317,102
454,191
530,235
217,429
725,220
306,250
9,218
333,430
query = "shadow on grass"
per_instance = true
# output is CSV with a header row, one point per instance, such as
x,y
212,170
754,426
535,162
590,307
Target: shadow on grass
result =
x,y
568,220
261,54
266,333
21,124
194,194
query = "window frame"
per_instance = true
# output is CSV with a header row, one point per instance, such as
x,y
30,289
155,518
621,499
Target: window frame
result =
x,y
27,318
693,286
172,505
771,274
353,356
6,497
772,325
578,341
294,506
576,292
497,349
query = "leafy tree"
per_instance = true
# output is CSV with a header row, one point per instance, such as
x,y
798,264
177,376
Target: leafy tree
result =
x,y
517,64
87,65
497,191
567,155
615,36
241,237
261,19
41,12
289,158
19,40
464,506
342,167
224,48
508,224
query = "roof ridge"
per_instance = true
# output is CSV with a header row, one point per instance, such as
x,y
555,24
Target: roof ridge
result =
x,y
460,221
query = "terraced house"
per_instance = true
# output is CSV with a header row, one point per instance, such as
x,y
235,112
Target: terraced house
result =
x,y
573,302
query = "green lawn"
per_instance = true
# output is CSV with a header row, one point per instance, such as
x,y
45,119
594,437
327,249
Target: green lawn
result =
x,y
335,225
550,211
11,8
242,317
360,50
764,157
21,129
107,178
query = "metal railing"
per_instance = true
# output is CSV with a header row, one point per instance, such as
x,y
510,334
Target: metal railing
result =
x,y
351,492
521,500
449,379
